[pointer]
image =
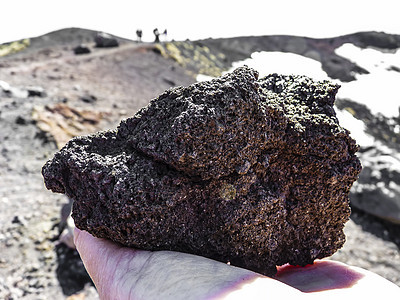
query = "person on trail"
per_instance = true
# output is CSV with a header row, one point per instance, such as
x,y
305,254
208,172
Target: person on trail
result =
x,y
165,35
139,35
157,35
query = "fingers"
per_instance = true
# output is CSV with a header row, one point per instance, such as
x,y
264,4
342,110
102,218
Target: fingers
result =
x,y
320,276
124,273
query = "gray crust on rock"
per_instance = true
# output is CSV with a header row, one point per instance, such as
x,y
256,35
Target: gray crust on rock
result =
x,y
254,172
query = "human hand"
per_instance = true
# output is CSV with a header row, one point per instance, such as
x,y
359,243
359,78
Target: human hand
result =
x,y
125,273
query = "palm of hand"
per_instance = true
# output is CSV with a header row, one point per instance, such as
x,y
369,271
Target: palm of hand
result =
x,y
124,273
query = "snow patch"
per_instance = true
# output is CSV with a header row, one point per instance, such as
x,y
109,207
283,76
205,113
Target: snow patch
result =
x,y
379,89
356,127
283,63
202,77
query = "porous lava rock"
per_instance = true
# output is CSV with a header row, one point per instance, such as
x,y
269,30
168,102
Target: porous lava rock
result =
x,y
255,172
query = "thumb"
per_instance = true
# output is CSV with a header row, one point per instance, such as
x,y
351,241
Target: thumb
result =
x,y
96,256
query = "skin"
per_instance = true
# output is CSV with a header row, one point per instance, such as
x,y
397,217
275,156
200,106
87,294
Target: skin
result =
x,y
125,273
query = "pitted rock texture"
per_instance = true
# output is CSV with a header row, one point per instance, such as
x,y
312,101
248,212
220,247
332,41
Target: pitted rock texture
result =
x,y
254,172
205,130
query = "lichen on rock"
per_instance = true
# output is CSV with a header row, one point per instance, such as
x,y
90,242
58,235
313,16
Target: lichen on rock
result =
x,y
14,47
252,171
194,56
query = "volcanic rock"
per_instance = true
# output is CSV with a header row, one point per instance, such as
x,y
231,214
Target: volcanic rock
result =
x,y
81,49
378,190
11,91
254,172
61,122
36,91
105,40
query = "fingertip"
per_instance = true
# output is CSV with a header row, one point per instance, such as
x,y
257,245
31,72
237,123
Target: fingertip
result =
x,y
77,233
86,244
87,247
81,238
90,247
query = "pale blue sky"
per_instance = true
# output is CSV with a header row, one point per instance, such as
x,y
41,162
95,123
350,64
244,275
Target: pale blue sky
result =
x,y
198,19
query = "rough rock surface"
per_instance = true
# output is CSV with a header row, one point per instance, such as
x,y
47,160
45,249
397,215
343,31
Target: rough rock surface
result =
x,y
252,172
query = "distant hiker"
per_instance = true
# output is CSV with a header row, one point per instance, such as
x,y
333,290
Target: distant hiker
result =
x,y
165,35
157,35
139,35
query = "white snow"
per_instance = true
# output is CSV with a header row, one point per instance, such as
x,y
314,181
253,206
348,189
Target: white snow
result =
x,y
379,90
356,128
202,77
277,62
283,63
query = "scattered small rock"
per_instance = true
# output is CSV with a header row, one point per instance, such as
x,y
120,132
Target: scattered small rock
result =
x,y
377,191
81,49
29,91
394,68
21,120
169,81
36,91
88,98
14,92
4,86
18,220
63,122
104,40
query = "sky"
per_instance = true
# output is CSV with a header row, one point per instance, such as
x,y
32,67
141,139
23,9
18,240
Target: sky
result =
x,y
198,19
